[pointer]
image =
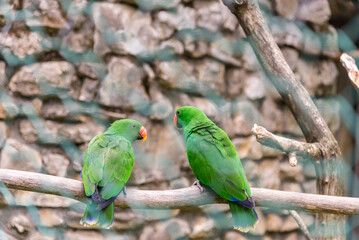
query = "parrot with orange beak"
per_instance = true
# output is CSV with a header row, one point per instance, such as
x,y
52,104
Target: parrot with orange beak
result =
x,y
216,164
107,167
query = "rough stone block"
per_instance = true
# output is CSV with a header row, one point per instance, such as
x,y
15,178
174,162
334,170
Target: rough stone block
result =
x,y
4,133
88,90
92,70
203,76
82,132
122,87
24,44
167,22
288,172
235,78
286,8
274,222
123,29
245,115
319,77
55,161
18,156
45,13
315,11
3,78
248,148
27,131
50,218
272,115
43,79
269,177
203,228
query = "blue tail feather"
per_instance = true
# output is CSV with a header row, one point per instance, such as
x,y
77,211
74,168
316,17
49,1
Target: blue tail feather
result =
x,y
246,203
99,211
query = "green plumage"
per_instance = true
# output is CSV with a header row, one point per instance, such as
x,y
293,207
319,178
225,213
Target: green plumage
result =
x,y
216,164
107,167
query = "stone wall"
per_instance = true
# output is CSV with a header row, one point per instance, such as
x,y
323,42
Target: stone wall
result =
x,y
70,68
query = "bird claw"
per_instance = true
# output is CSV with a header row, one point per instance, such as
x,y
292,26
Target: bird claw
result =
x,y
124,191
199,185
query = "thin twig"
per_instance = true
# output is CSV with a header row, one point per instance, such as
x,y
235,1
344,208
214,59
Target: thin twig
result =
x,y
301,224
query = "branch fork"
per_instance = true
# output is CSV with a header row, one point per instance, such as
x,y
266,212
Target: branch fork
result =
x,y
291,147
233,4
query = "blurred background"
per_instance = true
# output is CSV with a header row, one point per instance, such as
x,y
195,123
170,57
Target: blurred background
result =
x,y
70,68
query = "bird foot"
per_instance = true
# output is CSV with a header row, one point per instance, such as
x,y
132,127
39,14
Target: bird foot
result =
x,y
124,191
199,185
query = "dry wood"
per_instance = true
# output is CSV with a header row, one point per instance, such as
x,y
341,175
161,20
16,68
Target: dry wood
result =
x,y
277,69
292,159
352,69
179,198
301,224
329,168
306,150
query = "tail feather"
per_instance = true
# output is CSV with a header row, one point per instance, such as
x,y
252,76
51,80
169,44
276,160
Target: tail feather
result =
x,y
245,219
93,216
106,216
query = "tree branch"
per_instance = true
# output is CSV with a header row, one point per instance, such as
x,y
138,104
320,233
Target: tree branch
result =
x,y
307,150
329,169
179,198
278,71
352,69
300,223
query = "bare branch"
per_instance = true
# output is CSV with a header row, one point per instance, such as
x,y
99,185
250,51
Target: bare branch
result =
x,y
349,64
278,71
307,150
179,198
301,224
296,97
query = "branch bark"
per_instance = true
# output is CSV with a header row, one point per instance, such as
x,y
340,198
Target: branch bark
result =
x,y
277,69
329,180
307,150
352,69
301,224
179,198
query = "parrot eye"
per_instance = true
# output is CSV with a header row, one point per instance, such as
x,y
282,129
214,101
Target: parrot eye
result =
x,y
134,126
178,112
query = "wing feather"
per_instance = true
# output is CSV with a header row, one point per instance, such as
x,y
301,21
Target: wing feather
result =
x,y
117,169
107,164
215,163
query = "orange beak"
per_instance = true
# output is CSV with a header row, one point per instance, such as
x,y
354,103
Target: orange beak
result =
x,y
175,120
177,125
143,133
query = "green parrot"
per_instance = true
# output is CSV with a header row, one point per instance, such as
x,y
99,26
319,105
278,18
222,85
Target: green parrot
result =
x,y
107,167
215,163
